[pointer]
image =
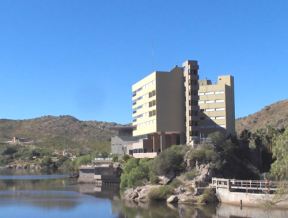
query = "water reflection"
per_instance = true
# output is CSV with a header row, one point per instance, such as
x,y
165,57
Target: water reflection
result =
x,y
225,210
65,198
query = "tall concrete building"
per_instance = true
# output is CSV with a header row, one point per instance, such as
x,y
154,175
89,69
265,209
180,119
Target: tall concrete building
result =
x,y
216,103
166,108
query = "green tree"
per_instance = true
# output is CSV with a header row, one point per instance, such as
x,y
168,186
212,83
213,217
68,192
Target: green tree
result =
x,y
136,172
10,150
171,159
280,151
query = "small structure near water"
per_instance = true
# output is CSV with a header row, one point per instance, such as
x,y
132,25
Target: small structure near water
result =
x,y
250,192
102,172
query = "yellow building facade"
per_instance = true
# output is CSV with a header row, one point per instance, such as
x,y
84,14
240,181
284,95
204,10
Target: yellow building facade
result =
x,y
175,107
216,102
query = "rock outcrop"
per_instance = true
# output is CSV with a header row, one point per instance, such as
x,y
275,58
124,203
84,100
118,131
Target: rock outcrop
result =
x,y
165,179
138,194
172,199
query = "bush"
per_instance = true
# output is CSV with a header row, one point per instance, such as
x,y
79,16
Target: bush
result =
x,y
191,174
69,166
10,150
217,137
171,159
207,197
203,155
160,193
83,160
126,157
47,163
175,183
136,172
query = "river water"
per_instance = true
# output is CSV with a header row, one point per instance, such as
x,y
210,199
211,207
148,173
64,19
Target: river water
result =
x,y
55,196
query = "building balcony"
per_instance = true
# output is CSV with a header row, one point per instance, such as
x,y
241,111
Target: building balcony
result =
x,y
145,155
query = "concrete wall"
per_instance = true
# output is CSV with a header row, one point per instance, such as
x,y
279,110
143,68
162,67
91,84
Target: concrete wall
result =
x,y
119,144
190,73
144,124
96,174
248,199
86,176
170,101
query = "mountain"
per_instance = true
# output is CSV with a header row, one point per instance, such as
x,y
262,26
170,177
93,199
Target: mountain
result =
x,y
274,115
59,132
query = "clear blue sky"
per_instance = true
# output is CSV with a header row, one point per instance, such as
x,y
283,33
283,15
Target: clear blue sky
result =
x,y
80,57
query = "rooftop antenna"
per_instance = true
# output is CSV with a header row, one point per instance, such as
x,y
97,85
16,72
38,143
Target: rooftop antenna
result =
x,y
153,60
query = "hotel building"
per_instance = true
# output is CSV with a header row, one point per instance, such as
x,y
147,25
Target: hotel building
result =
x,y
174,107
216,103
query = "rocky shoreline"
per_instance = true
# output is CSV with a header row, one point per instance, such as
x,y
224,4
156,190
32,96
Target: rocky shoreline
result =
x,y
22,167
181,195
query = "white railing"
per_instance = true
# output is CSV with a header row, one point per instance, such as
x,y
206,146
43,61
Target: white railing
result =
x,y
248,185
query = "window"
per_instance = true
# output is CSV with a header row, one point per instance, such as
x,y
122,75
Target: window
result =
x,y
193,123
220,109
194,93
152,113
194,133
201,102
219,92
134,93
201,93
210,102
194,102
194,113
219,101
152,103
209,93
151,94
220,118
210,109
193,82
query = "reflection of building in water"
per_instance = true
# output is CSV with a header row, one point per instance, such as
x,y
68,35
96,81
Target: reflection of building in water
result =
x,y
110,191
103,171
225,210
42,199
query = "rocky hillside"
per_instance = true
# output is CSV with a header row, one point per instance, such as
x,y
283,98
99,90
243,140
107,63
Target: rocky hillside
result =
x,y
274,115
63,132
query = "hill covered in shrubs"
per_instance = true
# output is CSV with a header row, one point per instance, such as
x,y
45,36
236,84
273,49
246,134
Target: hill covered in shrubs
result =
x,y
274,116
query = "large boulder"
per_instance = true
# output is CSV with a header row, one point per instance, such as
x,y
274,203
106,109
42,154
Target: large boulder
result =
x,y
187,198
204,175
138,194
172,199
165,179
143,194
